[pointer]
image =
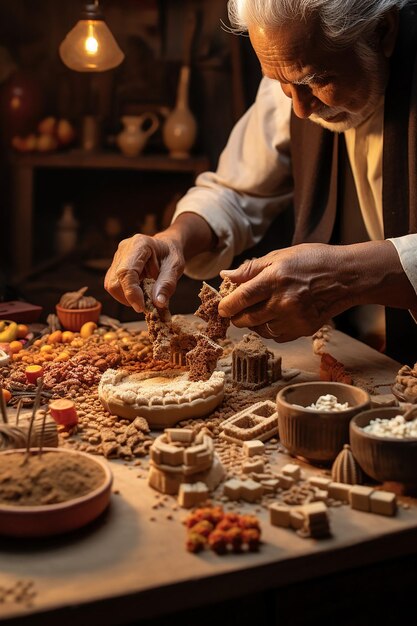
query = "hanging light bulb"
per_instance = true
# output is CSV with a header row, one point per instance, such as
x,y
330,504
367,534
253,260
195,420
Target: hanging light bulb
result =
x,y
90,46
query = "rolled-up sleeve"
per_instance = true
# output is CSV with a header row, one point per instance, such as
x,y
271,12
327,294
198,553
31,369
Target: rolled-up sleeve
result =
x,y
252,184
406,247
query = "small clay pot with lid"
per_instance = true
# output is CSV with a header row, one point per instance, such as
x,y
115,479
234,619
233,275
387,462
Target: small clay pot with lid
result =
x,y
75,309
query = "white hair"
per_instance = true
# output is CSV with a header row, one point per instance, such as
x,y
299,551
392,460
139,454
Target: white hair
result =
x,y
342,21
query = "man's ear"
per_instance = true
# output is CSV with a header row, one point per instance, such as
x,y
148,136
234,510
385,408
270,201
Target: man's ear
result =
x,y
387,32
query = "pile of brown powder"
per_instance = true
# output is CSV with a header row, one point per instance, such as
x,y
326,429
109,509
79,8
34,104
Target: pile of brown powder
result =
x,y
47,479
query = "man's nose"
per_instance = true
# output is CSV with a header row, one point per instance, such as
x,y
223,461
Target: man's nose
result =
x,y
303,101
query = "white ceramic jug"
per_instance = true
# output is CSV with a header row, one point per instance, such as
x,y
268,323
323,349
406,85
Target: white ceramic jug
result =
x,y
132,139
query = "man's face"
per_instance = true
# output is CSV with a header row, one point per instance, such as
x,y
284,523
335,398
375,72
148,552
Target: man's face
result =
x,y
337,89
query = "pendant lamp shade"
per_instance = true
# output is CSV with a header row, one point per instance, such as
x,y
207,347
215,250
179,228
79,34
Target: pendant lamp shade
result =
x,y
90,46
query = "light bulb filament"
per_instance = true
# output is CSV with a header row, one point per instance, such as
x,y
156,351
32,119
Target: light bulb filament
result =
x,y
91,43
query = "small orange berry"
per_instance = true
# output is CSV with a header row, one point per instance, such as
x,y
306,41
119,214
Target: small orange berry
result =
x,y
6,395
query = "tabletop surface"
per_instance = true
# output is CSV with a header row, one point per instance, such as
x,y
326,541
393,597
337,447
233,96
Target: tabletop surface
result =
x,y
134,558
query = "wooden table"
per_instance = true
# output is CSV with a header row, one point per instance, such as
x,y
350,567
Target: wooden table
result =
x,y
131,565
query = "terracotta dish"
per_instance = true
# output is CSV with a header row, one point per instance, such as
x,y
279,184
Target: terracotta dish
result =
x,y
316,435
383,458
73,319
55,519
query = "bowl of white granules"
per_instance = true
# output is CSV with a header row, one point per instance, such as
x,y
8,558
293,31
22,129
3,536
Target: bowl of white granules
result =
x,y
385,444
313,418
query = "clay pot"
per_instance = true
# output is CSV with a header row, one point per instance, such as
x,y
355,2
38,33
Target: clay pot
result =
x,y
132,139
317,435
180,128
54,519
73,319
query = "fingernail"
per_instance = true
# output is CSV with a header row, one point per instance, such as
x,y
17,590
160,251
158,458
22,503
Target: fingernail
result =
x,y
161,299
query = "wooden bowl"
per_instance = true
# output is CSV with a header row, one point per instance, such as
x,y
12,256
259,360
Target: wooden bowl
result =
x,y
383,458
73,319
55,519
317,436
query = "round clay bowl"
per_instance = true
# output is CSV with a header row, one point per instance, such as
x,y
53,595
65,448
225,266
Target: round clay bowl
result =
x,y
55,519
383,458
317,436
73,319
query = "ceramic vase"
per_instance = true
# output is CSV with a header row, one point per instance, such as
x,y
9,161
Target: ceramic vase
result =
x,y
180,128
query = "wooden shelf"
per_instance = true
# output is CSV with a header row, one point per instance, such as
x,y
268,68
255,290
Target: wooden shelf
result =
x,y
79,159
25,168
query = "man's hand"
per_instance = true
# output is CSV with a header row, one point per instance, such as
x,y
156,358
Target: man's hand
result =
x,y
139,257
161,257
290,293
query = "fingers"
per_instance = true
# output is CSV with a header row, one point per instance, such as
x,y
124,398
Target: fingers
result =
x,y
247,295
246,271
122,280
129,284
170,271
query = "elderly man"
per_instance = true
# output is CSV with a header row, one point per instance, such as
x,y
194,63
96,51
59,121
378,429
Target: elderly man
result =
x,y
333,133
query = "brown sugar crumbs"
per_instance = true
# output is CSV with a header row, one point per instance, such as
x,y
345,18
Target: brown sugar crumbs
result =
x,y
49,478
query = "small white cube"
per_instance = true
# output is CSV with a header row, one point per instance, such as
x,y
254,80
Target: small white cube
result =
x,y
232,489
285,482
254,466
319,481
251,490
279,515
191,494
270,485
293,470
383,503
339,491
253,447
359,497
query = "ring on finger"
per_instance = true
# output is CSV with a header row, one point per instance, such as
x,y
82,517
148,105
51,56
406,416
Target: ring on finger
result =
x,y
273,333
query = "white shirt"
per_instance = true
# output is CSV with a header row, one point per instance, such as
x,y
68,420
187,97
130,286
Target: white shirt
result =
x,y
253,183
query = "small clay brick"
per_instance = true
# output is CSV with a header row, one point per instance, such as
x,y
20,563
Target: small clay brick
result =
x,y
285,482
255,466
339,491
253,447
232,489
383,502
270,485
251,491
296,519
279,515
359,497
313,511
319,481
190,495
184,435
293,470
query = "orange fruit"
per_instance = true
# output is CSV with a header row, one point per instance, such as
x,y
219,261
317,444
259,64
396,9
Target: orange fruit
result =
x,y
46,348
22,331
15,346
67,336
55,337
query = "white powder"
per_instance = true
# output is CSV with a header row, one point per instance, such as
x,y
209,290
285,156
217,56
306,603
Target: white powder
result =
x,y
328,403
395,427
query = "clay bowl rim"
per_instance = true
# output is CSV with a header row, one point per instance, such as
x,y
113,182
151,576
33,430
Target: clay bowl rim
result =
x,y
388,410
309,411
67,504
85,310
